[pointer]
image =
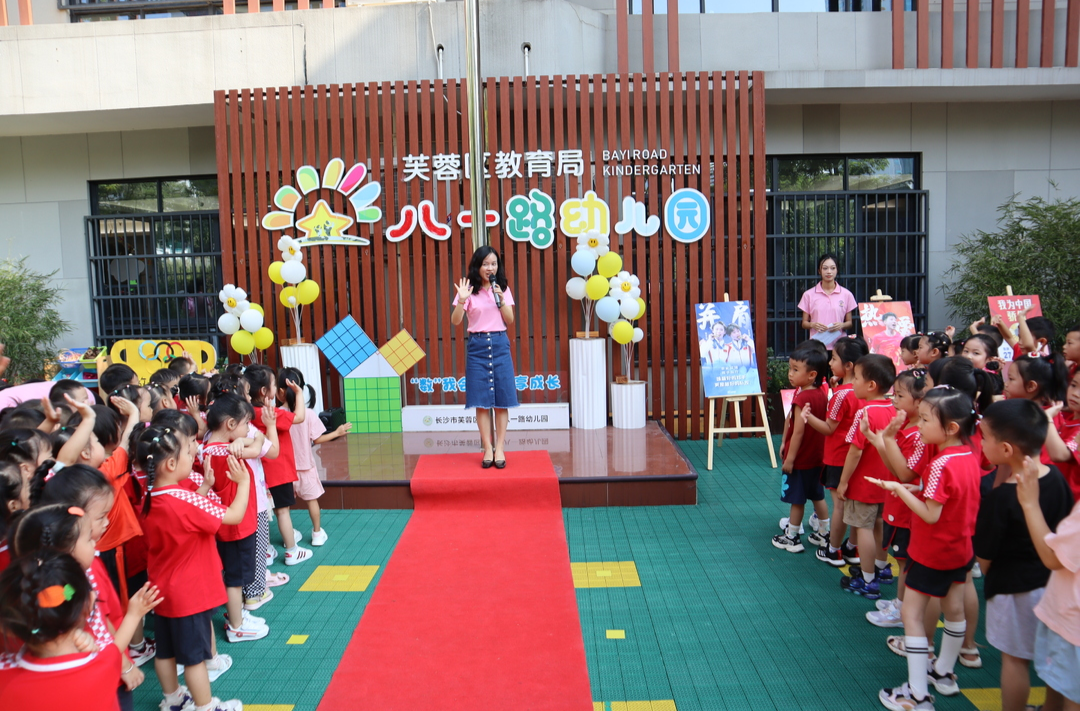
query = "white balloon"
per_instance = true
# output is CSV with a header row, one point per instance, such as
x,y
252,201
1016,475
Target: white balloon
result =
x,y
638,335
634,293
293,272
251,320
629,308
228,324
607,309
575,288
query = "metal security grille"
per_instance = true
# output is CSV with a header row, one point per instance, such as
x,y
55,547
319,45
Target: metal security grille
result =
x,y
154,275
879,239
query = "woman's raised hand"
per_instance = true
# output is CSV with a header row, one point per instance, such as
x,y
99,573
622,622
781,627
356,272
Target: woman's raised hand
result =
x,y
464,290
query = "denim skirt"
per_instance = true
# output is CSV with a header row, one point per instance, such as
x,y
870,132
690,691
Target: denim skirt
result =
x,y
489,371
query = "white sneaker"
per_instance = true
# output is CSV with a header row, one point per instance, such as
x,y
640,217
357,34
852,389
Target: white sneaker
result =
x,y
297,537
143,653
186,702
784,524
886,604
247,632
271,554
256,603
217,666
318,538
297,555
889,617
247,617
217,704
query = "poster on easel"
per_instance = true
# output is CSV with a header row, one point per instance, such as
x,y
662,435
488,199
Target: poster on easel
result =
x,y
725,336
885,324
1009,307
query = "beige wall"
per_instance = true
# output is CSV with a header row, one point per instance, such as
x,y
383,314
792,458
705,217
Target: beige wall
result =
x,y
44,196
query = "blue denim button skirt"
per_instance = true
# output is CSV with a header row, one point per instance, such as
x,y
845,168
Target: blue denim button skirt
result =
x,y
489,371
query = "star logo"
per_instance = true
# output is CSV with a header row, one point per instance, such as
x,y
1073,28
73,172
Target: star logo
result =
x,y
323,223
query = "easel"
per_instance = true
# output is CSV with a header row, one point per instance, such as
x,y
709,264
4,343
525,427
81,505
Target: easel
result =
x,y
736,401
880,297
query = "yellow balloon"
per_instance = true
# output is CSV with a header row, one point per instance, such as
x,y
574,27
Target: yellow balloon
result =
x,y
641,306
609,265
622,332
275,272
288,297
597,287
256,307
264,338
242,342
307,291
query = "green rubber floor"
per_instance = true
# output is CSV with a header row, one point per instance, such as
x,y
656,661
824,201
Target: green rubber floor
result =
x,y
721,620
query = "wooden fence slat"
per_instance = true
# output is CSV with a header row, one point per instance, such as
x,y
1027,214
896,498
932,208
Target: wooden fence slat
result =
x,y
1046,49
997,33
1023,20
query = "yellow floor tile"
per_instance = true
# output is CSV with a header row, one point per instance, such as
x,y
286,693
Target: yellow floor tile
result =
x,y
614,574
616,634
268,707
990,699
340,578
667,705
297,639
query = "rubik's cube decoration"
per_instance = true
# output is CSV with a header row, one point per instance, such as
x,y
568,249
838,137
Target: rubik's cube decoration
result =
x,y
372,376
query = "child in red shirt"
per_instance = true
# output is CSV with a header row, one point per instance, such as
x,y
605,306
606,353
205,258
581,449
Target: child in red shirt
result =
x,y
863,502
941,552
834,549
281,471
803,448
183,559
57,663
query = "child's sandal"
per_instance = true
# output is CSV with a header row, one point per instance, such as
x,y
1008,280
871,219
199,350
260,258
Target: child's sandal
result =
x,y
975,663
276,579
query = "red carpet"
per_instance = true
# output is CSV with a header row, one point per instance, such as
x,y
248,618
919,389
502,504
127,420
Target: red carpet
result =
x,y
476,608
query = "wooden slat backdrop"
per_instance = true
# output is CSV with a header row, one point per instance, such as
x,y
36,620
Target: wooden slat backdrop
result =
x,y
264,135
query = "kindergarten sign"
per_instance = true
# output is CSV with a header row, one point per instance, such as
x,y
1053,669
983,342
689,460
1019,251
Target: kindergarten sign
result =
x,y
726,349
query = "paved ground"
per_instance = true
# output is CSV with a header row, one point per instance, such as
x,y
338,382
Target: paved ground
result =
x,y
719,620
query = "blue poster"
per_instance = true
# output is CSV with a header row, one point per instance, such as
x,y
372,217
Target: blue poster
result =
x,y
725,337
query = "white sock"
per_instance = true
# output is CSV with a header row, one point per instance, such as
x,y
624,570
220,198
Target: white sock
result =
x,y
868,577
823,526
175,697
792,531
881,564
917,653
951,642
291,550
831,549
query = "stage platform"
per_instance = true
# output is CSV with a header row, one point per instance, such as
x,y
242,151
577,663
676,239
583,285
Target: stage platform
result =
x,y
603,467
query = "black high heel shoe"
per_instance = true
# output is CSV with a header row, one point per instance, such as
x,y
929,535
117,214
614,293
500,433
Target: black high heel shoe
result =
x,y
500,463
486,463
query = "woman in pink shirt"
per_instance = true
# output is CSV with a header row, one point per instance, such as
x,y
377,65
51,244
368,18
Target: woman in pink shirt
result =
x,y
827,307
489,369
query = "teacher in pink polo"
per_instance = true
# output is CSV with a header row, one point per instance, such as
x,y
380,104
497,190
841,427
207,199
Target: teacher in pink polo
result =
x,y
827,307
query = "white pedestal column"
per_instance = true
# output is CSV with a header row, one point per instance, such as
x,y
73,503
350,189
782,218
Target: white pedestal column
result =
x,y
588,376
305,358
628,405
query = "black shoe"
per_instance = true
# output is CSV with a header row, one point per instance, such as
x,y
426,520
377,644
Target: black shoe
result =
x,y
500,464
486,463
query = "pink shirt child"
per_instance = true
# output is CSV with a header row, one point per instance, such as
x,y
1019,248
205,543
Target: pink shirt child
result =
x,y
1060,606
484,316
828,308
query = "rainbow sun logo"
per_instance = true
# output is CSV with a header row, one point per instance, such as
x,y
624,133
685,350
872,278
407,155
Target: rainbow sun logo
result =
x,y
322,225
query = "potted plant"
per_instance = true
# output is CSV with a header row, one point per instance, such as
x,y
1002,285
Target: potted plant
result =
x,y
30,323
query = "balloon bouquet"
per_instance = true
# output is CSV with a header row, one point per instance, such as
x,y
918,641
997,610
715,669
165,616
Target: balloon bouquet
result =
x,y
243,322
300,291
614,293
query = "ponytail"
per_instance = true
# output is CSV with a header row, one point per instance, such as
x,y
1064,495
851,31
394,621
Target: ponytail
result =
x,y
1048,372
153,446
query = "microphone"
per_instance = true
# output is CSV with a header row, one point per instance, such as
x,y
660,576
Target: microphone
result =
x,y
498,296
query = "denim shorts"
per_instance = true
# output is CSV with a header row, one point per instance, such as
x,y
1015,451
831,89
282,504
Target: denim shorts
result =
x,y
489,371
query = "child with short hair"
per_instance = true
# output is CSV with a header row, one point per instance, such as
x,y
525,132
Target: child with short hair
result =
x,y
863,502
909,349
908,392
1014,577
1071,349
803,447
114,377
182,365
834,548
1057,632
940,551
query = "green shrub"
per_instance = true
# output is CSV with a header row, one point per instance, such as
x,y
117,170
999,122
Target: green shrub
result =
x,y
29,321
777,369
1035,250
